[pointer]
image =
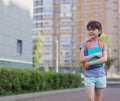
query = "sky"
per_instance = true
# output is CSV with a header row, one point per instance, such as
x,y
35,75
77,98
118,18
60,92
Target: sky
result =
x,y
25,4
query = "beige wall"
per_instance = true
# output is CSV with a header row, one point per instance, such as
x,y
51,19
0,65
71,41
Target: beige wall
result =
x,y
111,26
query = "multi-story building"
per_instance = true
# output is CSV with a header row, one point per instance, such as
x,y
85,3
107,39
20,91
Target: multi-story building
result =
x,y
112,9
15,36
65,21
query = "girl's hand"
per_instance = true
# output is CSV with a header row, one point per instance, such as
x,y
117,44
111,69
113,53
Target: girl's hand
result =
x,y
87,64
99,54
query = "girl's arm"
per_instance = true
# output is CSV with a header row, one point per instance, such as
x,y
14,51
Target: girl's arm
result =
x,y
103,59
84,58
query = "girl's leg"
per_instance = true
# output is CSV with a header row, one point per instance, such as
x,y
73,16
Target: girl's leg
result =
x,y
90,92
98,94
100,85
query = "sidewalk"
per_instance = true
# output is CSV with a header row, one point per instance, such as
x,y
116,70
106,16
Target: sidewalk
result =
x,y
20,97
110,94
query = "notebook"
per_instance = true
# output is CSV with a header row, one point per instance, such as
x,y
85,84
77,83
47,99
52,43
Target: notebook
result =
x,y
91,51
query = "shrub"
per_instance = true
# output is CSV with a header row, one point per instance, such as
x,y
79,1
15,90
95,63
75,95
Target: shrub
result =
x,y
15,81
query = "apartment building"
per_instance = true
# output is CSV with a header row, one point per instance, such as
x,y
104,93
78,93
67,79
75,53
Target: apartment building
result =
x,y
112,11
15,36
65,21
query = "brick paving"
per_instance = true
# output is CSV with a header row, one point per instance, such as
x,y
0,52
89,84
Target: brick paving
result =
x,y
110,94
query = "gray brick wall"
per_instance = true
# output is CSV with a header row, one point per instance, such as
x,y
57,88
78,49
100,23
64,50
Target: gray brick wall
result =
x,y
15,23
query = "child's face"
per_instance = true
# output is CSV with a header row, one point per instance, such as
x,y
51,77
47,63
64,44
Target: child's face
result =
x,y
93,33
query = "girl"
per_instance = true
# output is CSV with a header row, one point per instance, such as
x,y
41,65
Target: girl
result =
x,y
95,79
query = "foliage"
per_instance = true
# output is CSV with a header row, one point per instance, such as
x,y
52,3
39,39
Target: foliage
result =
x,y
109,63
118,69
16,81
73,69
46,68
37,49
60,68
106,39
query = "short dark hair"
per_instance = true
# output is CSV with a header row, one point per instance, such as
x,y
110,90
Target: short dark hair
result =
x,y
94,25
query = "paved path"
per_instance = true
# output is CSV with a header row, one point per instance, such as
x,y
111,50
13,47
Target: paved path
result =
x,y
110,94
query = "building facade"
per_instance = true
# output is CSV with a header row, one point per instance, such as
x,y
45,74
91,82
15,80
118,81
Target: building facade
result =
x,y
15,36
112,9
65,21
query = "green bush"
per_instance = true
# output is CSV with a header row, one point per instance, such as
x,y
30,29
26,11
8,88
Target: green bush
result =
x,y
16,81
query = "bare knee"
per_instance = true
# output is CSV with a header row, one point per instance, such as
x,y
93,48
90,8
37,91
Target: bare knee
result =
x,y
98,99
90,99
98,94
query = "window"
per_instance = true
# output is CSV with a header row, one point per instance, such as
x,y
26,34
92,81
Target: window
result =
x,y
115,2
46,2
67,54
57,1
86,22
47,30
38,25
73,54
38,17
65,39
73,1
73,23
47,46
115,10
56,23
86,0
66,61
65,1
73,38
73,46
97,5
65,11
86,7
74,8
47,15
48,40
63,14
74,30
19,47
57,31
73,15
57,16
86,14
47,23
47,9
97,14
65,22
37,3
115,26
57,9
73,61
66,30
66,47
38,10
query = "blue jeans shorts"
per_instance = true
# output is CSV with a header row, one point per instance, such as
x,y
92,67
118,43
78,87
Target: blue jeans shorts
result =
x,y
98,82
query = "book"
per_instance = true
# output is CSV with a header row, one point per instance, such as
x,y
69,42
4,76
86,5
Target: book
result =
x,y
93,50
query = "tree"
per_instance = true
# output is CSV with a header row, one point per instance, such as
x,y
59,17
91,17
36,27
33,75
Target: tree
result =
x,y
37,49
46,68
106,39
60,68
73,69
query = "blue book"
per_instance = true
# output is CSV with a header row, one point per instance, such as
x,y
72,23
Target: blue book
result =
x,y
93,50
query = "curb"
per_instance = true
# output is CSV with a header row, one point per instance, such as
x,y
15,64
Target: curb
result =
x,y
33,95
